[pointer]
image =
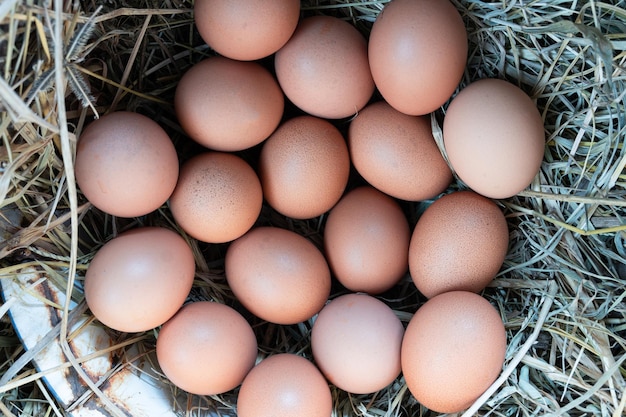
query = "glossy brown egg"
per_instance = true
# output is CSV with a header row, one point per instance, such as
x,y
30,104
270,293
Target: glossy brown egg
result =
x,y
228,105
453,350
139,279
417,54
494,137
356,341
304,167
284,384
207,348
458,243
323,69
246,30
218,197
397,153
366,241
126,164
278,275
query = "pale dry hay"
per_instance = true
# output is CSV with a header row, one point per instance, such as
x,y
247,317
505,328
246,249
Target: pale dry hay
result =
x,y
561,289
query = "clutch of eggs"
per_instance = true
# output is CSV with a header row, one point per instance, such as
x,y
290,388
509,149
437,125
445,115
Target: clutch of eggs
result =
x,y
359,107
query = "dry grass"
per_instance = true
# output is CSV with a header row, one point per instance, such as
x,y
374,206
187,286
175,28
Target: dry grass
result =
x,y
561,291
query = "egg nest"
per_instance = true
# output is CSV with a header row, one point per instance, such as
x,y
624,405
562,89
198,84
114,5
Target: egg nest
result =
x,y
560,291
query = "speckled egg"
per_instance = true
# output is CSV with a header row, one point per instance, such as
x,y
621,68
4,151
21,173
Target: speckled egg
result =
x,y
284,384
323,69
453,350
458,243
126,164
218,197
304,167
397,153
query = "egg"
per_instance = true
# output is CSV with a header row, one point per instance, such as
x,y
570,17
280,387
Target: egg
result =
x,y
458,243
207,348
453,350
246,30
366,241
278,275
218,197
304,167
323,69
417,54
126,164
139,279
284,384
397,153
228,105
494,138
356,341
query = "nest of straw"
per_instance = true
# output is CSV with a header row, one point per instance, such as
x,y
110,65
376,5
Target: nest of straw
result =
x,y
561,290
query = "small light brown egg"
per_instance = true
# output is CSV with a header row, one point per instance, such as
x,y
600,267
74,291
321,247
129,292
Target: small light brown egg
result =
x,y
126,164
278,275
304,167
366,241
139,279
417,54
458,243
494,137
356,341
207,348
397,153
323,68
246,30
228,105
453,350
284,384
218,197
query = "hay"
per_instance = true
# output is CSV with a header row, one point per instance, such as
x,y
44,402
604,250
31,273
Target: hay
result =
x,y
561,289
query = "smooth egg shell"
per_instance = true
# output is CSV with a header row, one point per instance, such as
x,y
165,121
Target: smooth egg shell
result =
x,y
453,350
494,137
356,341
126,164
207,348
139,279
284,384
278,275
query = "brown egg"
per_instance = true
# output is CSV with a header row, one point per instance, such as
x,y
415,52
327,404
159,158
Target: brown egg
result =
x,y
139,279
417,54
323,68
218,197
453,350
356,341
126,164
494,137
207,348
397,154
278,275
228,105
366,241
459,243
284,384
304,167
246,30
